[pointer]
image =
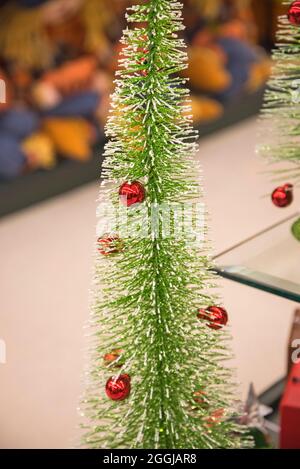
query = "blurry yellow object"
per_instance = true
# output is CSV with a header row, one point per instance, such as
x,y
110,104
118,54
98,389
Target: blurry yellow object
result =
x,y
204,109
207,70
23,38
40,151
71,136
211,9
208,8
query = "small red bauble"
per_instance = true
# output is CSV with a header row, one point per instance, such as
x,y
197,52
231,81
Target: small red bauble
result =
x,y
294,13
283,196
144,61
199,397
215,418
109,244
216,316
118,388
132,193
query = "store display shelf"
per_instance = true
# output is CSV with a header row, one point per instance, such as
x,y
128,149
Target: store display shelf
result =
x,y
39,186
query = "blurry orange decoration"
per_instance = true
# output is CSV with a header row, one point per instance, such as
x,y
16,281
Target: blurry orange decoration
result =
x,y
294,13
132,193
283,196
109,244
118,388
113,358
216,316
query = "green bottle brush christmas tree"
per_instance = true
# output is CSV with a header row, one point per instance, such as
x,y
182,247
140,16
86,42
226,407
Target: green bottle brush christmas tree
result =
x,y
281,111
158,377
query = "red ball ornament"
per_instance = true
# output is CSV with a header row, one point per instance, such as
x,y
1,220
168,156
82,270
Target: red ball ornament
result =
x,y
216,316
132,193
200,398
109,244
144,61
294,13
118,388
283,196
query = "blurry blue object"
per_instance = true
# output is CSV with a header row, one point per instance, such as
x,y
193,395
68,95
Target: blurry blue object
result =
x,y
79,105
19,123
98,131
241,57
12,159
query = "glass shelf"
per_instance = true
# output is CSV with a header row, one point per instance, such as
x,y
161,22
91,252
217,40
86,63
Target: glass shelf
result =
x,y
268,261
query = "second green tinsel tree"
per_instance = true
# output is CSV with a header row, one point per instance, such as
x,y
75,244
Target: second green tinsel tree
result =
x,y
158,377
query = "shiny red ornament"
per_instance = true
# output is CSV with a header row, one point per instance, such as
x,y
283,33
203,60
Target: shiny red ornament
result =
x,y
109,244
132,193
215,418
294,13
216,316
283,196
118,388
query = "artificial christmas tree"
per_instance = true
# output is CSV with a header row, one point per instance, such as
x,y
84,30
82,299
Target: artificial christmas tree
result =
x,y
158,378
280,115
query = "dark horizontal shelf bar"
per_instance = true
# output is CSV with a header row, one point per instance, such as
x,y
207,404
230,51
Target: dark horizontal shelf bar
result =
x,y
39,186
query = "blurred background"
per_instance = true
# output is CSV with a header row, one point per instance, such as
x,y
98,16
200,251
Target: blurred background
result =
x,y
58,58
57,61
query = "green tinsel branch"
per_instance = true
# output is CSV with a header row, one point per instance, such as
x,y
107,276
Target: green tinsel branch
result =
x,y
280,121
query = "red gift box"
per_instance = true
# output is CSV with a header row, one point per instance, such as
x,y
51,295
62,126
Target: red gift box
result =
x,y
290,412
